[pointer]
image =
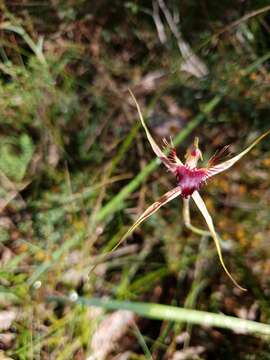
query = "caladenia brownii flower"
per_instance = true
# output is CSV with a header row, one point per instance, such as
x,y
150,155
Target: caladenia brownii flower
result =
x,y
189,180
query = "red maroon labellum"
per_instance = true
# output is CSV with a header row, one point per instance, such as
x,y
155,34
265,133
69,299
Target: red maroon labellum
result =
x,y
189,179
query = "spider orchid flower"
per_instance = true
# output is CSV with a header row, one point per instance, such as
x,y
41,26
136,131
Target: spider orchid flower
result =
x,y
189,180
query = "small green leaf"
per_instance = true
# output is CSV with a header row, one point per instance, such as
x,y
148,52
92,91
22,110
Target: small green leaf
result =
x,y
15,156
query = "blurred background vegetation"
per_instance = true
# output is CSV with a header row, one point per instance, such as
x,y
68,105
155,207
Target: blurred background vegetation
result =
x,y
75,174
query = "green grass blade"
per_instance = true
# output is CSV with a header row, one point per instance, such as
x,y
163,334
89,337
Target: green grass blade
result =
x,y
45,266
173,313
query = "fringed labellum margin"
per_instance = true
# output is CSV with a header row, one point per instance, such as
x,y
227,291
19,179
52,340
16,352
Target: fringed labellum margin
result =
x,y
189,179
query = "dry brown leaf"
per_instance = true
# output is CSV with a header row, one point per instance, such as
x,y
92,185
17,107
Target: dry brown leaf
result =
x,y
109,332
6,319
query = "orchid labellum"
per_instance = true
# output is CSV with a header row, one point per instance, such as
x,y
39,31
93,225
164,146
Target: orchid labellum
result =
x,y
189,180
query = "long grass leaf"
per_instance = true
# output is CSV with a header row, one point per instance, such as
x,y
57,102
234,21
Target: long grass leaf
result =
x,y
173,313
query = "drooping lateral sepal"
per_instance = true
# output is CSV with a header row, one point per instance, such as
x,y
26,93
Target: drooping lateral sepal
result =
x,y
203,209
